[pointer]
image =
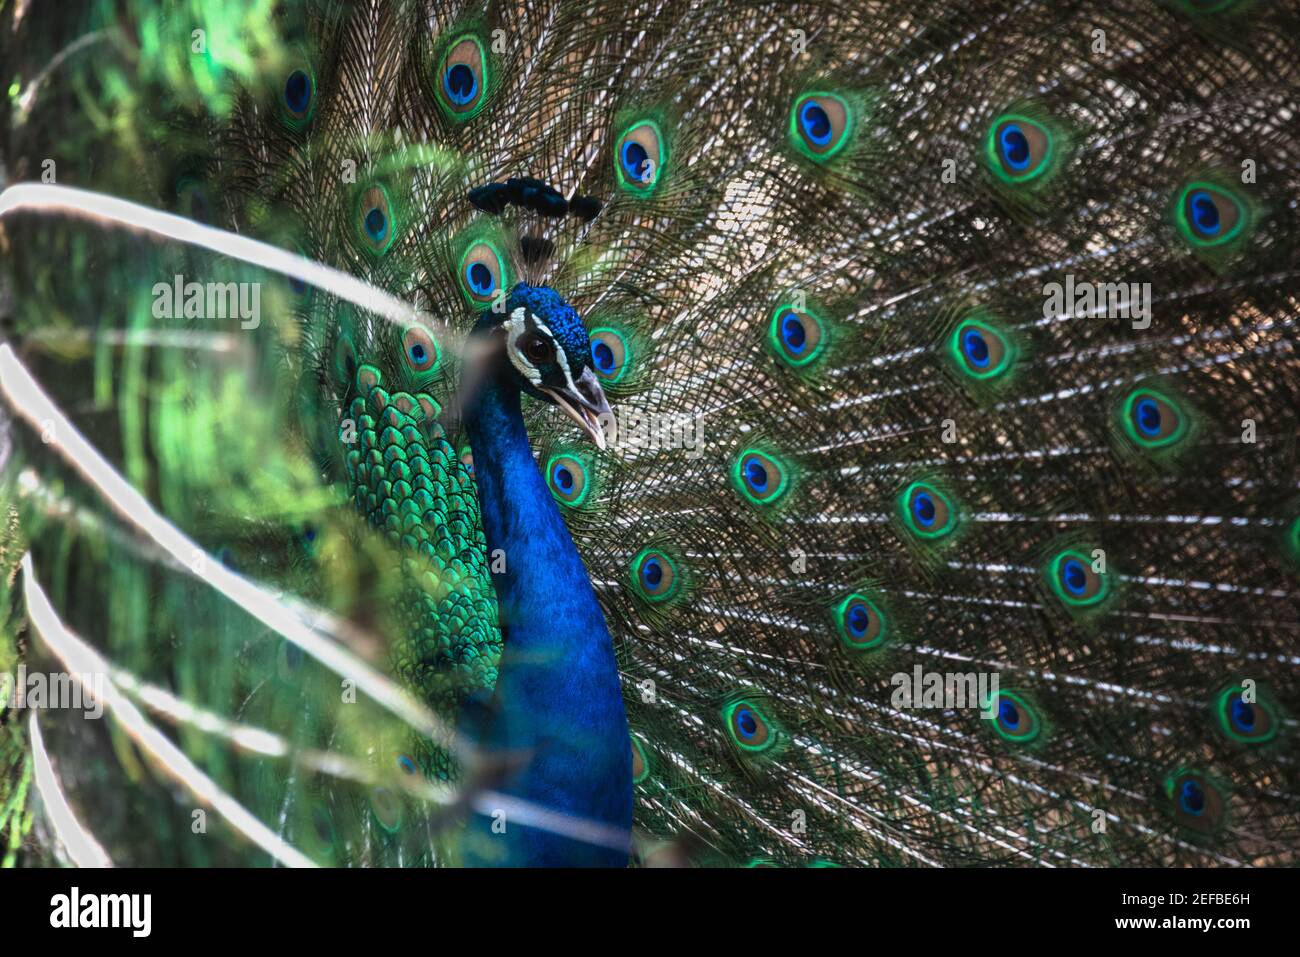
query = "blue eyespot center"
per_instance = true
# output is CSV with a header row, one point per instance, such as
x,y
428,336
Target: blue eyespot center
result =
x,y
460,84
563,479
418,353
1191,798
1147,416
297,91
1074,577
376,224
1205,213
1015,146
406,764
858,620
652,572
976,348
756,475
1243,714
816,123
636,161
923,508
746,723
602,356
793,333
1009,714
479,278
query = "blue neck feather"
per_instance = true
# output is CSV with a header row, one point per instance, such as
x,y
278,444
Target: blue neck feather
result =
x,y
557,695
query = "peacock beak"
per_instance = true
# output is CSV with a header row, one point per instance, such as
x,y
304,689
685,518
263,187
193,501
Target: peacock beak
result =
x,y
585,404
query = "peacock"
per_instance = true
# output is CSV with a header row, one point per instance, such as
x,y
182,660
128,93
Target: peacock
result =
x,y
656,433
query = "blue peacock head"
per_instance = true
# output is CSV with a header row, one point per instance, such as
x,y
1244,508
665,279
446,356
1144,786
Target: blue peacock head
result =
x,y
548,355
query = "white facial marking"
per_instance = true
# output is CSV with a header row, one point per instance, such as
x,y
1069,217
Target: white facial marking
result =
x,y
515,327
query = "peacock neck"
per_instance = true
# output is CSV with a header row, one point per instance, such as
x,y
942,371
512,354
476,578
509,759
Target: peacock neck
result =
x,y
558,694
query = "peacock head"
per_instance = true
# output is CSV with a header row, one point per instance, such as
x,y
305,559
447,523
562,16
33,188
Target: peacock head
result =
x,y
547,353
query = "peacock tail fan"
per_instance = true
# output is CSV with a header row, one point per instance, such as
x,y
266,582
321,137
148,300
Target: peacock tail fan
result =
x,y
949,513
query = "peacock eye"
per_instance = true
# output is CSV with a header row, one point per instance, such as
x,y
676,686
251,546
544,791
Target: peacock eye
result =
x,y
463,79
1247,722
298,91
345,359
655,575
821,123
639,156
611,354
927,511
1196,801
796,335
567,477
860,623
1016,720
1208,215
760,477
297,95
1020,148
375,219
749,727
1073,580
482,272
981,350
420,350
1153,420
640,761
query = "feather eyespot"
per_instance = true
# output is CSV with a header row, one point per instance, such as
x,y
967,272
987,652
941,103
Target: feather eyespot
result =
x,y
1153,420
567,477
860,623
820,124
761,478
654,575
640,761
1246,722
1073,580
611,354
749,728
299,94
375,219
1208,215
926,511
387,808
482,272
639,156
463,78
1020,149
406,764
1196,802
420,350
982,351
797,336
345,359
1015,720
